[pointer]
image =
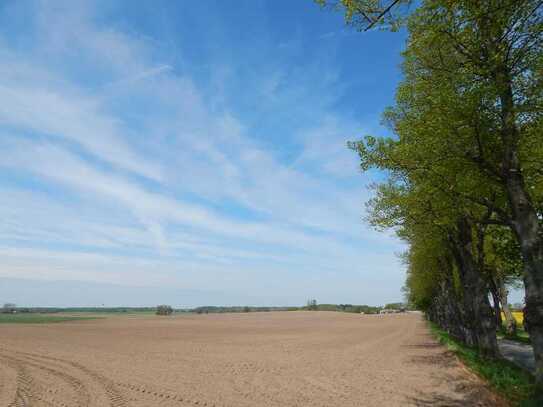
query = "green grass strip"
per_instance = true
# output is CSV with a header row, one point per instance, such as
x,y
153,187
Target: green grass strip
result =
x,y
38,318
522,336
512,382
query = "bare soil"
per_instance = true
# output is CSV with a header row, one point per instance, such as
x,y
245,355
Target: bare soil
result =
x,y
256,359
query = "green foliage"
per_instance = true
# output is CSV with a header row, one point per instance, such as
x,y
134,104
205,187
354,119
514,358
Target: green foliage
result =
x,y
164,310
395,306
357,309
503,254
445,161
365,14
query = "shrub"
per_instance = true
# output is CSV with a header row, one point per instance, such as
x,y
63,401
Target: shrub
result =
x,y
164,310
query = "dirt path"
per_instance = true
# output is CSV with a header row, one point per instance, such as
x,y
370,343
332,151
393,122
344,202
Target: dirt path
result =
x,y
233,360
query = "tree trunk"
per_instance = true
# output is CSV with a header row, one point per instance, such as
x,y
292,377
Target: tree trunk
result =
x,y
479,316
531,245
525,222
493,285
527,230
510,322
497,310
456,320
450,301
446,311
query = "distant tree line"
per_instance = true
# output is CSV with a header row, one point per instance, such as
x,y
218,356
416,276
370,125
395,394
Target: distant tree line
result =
x,y
366,309
312,305
221,309
168,310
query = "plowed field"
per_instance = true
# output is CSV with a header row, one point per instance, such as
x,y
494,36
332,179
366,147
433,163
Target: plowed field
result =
x,y
257,359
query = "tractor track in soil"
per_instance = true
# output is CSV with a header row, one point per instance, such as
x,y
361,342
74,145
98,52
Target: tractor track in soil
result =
x,y
27,389
30,391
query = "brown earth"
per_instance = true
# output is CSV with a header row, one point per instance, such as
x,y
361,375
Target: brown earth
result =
x,y
237,360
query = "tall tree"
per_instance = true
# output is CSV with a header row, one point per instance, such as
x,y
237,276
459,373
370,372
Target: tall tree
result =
x,y
439,229
473,92
504,269
483,62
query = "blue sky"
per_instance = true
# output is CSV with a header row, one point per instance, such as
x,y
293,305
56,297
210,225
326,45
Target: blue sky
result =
x,y
193,151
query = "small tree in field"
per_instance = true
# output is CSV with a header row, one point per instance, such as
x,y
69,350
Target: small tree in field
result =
x,y
312,305
164,310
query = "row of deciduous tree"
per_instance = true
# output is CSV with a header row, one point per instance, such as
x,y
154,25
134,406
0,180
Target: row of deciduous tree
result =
x,y
465,163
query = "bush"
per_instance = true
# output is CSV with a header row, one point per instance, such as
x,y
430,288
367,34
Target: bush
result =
x,y
164,310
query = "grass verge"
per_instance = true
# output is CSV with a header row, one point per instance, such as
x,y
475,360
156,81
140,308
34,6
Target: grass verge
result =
x,y
38,318
522,336
507,379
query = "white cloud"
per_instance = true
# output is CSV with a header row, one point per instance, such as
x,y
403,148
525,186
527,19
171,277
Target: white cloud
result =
x,y
164,183
77,118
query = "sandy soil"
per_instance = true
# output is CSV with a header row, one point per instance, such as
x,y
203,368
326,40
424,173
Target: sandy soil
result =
x,y
259,359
